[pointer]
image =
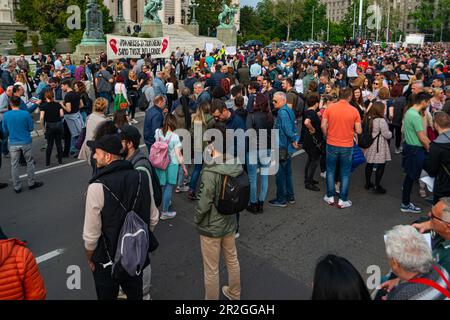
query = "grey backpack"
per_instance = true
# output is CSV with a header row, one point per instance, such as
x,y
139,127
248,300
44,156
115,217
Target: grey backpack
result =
x,y
133,243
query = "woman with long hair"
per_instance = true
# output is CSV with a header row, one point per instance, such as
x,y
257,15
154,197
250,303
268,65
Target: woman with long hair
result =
x,y
51,118
357,102
367,90
378,153
202,120
80,88
172,90
121,94
335,278
120,119
94,120
168,177
259,155
132,89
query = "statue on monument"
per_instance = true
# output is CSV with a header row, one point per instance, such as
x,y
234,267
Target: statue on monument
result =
x,y
94,22
226,17
151,11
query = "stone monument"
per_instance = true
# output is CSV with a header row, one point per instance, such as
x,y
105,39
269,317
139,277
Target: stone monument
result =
x,y
93,42
226,31
152,25
120,26
193,26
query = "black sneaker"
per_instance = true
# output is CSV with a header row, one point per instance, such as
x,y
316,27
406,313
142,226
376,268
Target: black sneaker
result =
x,y
379,190
17,190
260,206
312,187
36,185
369,186
3,185
252,208
314,182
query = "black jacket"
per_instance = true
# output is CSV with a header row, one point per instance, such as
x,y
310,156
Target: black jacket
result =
x,y
438,159
123,181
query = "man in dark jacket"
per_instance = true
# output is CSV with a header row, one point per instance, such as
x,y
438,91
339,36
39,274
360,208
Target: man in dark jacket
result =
x,y
217,77
154,118
243,75
115,186
131,138
6,78
438,162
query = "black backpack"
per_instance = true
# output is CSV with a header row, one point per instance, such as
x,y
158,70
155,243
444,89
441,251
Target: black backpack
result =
x,y
143,102
234,194
365,139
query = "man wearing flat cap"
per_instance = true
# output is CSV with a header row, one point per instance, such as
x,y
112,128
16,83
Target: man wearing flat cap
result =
x,y
115,187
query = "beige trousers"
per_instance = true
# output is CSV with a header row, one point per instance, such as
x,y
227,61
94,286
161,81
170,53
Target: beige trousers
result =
x,y
211,248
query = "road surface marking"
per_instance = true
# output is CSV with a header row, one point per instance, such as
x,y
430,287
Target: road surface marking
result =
x,y
70,164
49,255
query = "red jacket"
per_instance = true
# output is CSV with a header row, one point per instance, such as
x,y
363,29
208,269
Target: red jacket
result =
x,y
19,275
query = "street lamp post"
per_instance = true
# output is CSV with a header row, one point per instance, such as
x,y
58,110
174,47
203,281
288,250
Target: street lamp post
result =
x,y
312,27
120,11
194,5
360,31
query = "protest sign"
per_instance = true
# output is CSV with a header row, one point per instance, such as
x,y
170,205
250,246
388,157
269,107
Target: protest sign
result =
x,y
128,47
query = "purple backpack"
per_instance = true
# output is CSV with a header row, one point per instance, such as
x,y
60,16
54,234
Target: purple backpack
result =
x,y
159,153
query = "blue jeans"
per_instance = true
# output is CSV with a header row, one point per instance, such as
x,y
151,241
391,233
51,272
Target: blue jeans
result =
x,y
167,197
341,156
194,177
258,160
285,188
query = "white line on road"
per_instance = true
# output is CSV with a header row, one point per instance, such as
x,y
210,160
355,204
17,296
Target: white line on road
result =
x,y
55,168
49,255
297,153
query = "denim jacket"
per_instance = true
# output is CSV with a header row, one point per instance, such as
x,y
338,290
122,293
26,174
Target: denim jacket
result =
x,y
287,133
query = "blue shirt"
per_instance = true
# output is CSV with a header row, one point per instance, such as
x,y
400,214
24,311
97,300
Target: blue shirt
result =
x,y
159,87
153,120
17,125
287,132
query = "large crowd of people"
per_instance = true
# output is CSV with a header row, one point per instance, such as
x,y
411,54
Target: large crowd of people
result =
x,y
344,105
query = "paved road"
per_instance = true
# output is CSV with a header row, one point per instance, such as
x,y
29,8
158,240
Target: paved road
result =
x,y
277,250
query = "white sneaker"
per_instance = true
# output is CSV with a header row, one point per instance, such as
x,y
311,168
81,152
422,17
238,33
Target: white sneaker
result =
x,y
168,215
397,151
323,174
134,121
344,204
237,235
329,200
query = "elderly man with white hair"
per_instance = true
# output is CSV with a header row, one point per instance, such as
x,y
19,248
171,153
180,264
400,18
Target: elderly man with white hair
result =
x,y
411,260
287,141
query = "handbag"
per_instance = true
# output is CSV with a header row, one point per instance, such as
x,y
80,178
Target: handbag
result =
x,y
120,103
357,157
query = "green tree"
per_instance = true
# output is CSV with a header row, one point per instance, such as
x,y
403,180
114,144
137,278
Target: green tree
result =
x,y
320,20
207,14
250,21
288,12
50,16
432,17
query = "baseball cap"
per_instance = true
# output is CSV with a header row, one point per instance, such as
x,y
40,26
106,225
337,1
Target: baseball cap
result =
x,y
130,133
110,143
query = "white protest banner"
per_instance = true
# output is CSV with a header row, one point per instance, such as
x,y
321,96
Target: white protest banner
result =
x,y
230,50
128,47
209,47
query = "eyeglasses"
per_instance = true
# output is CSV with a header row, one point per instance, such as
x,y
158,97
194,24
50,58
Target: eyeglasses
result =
x,y
432,216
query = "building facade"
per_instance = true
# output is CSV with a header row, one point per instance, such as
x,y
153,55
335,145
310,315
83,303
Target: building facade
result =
x,y
337,9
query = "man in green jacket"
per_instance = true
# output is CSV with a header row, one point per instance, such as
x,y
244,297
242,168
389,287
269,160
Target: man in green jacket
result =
x,y
216,230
